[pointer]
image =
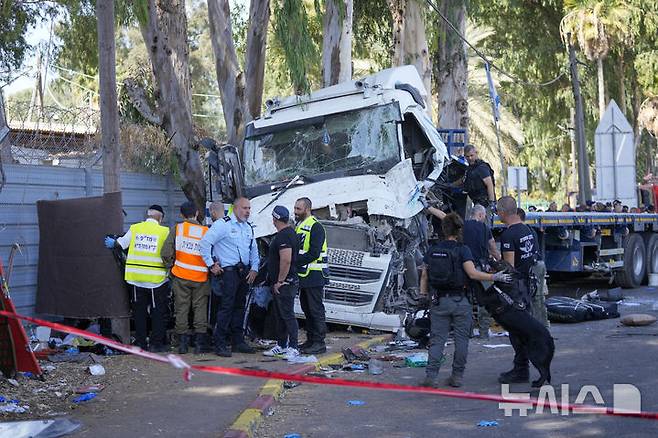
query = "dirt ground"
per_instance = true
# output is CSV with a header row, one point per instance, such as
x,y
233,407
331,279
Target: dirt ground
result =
x,y
53,396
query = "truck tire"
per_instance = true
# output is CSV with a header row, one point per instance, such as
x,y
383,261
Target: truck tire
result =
x,y
635,263
651,244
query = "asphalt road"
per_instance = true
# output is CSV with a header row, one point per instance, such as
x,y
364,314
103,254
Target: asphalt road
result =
x,y
601,353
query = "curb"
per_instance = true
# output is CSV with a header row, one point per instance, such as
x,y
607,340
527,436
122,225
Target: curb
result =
x,y
247,422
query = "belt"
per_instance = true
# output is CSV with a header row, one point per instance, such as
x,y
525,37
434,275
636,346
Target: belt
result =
x,y
449,294
237,268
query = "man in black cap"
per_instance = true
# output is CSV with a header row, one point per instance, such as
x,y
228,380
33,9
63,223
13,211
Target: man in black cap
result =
x,y
147,274
282,277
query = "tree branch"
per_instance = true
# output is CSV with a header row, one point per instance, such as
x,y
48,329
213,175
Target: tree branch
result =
x,y
138,98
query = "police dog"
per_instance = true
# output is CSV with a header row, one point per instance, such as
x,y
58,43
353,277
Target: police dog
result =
x,y
508,305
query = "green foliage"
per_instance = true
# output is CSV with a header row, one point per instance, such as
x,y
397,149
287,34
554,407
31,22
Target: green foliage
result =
x,y
16,18
292,33
372,26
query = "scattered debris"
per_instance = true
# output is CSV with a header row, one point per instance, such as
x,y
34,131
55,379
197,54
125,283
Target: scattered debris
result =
x,y
96,370
39,428
302,359
72,355
496,345
90,388
292,435
356,403
355,367
14,408
352,354
375,367
417,360
485,423
289,384
84,397
638,319
13,382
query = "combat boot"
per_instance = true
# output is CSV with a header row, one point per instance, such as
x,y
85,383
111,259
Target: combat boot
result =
x,y
455,380
515,375
200,343
183,344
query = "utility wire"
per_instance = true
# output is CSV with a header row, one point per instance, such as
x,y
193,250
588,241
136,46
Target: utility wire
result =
x,y
515,79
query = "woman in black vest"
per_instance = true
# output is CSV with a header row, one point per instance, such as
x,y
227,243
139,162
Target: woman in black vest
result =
x,y
446,266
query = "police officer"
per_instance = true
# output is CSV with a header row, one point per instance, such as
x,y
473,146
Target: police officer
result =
x,y
519,248
479,179
313,270
446,266
189,277
147,274
539,288
229,249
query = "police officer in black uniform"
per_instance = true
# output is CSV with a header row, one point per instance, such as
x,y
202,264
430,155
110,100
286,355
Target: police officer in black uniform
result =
x,y
519,248
446,266
479,179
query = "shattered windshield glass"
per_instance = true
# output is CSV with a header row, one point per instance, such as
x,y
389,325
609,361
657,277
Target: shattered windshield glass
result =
x,y
344,141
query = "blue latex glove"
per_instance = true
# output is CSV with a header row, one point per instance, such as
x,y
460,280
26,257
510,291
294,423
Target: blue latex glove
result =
x,y
109,242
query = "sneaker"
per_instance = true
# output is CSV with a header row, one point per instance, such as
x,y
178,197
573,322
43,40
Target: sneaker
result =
x,y
275,351
291,353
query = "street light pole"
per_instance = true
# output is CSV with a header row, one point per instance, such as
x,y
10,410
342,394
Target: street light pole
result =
x,y
584,189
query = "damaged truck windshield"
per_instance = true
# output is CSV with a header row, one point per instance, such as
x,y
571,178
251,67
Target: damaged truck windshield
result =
x,y
367,138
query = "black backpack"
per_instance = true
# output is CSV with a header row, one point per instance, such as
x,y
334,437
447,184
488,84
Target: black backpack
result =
x,y
445,268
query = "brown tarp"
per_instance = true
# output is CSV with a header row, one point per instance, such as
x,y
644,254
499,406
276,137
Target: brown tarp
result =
x,y
78,277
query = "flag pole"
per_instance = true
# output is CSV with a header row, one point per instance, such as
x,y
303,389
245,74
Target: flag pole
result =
x,y
495,101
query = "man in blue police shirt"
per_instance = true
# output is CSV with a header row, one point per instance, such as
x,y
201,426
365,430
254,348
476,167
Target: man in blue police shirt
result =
x,y
229,250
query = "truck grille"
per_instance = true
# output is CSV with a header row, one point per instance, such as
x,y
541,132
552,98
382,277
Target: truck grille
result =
x,y
345,257
354,274
345,297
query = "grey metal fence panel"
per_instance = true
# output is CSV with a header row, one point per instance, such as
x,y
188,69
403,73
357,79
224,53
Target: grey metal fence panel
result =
x,y
28,184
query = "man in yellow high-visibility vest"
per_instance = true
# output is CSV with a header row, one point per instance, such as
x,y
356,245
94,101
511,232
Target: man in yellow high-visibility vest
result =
x,y
147,274
313,271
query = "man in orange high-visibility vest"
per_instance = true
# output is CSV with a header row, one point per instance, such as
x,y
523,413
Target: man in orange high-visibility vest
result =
x,y
189,278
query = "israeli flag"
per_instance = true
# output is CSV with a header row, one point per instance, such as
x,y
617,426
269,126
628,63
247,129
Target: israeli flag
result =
x,y
495,99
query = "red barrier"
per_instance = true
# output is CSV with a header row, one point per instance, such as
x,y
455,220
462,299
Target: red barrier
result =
x,y
178,362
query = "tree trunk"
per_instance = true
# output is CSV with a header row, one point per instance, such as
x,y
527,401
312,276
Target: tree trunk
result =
x,y
259,17
601,83
229,76
410,41
108,96
165,36
337,42
5,146
109,119
622,83
451,68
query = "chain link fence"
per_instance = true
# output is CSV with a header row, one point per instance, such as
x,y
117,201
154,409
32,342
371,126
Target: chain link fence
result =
x,y
51,135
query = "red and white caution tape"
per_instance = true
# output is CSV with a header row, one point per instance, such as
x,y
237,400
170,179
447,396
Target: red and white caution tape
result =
x,y
178,362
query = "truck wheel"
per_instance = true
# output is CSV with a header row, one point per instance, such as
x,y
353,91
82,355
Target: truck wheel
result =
x,y
651,243
635,263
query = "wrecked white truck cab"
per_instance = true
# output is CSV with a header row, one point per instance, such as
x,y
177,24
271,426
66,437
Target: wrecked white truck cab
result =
x,y
361,151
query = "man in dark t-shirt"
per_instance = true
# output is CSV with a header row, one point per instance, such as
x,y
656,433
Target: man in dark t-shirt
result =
x,y
479,179
518,247
282,277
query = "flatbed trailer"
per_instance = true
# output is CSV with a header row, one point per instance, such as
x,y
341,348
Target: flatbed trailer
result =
x,y
623,246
